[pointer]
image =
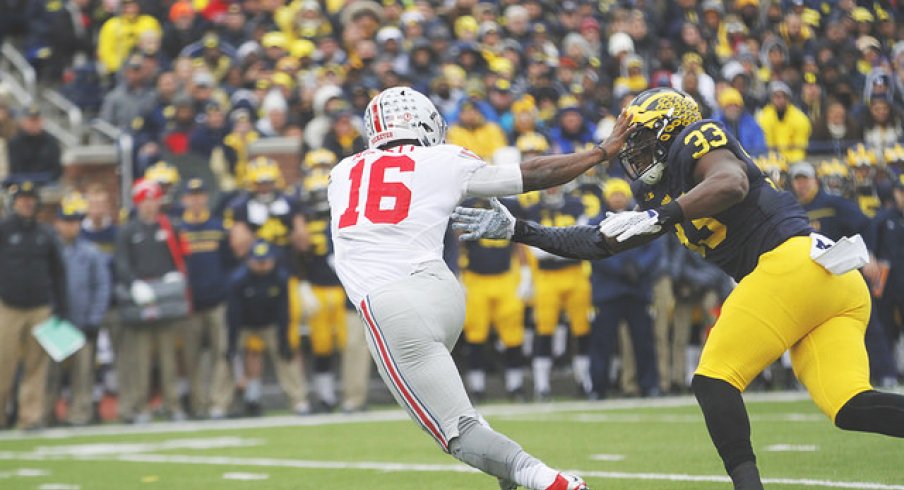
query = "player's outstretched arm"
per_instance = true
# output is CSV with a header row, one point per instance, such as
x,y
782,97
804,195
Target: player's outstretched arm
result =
x,y
721,182
577,242
546,171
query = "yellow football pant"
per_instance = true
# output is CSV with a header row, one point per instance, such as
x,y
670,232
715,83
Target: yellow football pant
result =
x,y
493,299
791,302
295,313
328,325
565,289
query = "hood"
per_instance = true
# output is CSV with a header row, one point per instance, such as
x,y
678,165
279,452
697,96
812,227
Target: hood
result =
x,y
322,96
767,46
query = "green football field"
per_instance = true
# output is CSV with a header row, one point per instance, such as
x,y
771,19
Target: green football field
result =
x,y
619,444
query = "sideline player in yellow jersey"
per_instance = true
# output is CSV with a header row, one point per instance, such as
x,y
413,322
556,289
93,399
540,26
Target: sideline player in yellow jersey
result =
x,y
694,178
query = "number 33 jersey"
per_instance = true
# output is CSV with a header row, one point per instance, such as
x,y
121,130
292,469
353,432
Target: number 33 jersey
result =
x,y
735,238
390,208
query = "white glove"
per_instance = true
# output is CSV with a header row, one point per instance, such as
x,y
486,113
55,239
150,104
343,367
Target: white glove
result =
x,y
142,293
496,223
310,305
174,276
526,285
629,224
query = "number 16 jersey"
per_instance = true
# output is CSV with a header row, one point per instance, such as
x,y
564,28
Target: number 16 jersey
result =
x,y
735,238
390,208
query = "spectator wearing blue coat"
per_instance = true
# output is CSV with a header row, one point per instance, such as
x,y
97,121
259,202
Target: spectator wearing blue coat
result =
x,y
88,288
739,122
573,132
623,290
209,135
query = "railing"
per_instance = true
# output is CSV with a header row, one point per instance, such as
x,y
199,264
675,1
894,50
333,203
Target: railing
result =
x,y
73,114
125,145
13,63
19,93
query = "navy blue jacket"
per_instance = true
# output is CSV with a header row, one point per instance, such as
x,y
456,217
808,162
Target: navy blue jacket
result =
x,y
209,260
256,302
888,226
836,217
628,274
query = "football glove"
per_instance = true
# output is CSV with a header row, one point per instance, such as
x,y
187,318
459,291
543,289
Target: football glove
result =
x,y
142,293
496,223
629,224
310,305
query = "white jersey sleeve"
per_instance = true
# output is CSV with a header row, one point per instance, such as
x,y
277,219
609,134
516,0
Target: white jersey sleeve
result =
x,y
484,180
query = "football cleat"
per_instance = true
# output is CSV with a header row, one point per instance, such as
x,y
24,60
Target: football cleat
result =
x,y
568,482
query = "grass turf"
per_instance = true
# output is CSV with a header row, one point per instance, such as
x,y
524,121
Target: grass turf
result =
x,y
635,442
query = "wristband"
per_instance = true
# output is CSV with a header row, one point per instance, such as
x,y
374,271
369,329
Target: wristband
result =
x,y
670,214
605,153
520,229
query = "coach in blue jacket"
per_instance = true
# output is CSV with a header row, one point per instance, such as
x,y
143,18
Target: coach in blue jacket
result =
x,y
623,290
88,287
209,263
836,217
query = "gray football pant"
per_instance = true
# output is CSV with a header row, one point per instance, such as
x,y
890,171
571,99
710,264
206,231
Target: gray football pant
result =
x,y
411,325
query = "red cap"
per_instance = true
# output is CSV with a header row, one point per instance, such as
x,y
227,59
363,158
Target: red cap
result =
x,y
590,23
180,9
143,189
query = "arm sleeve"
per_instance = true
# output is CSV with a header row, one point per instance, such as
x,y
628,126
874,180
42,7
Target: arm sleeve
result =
x,y
122,259
576,242
58,273
102,288
853,221
105,49
494,180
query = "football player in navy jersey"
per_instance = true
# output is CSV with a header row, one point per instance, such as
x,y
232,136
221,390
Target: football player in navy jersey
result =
x,y
561,285
695,179
496,280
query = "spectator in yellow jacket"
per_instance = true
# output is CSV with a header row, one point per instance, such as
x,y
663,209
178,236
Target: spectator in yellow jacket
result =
x,y
786,127
475,133
119,34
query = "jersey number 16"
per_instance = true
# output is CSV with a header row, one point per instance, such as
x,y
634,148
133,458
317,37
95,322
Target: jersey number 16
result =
x,y
377,189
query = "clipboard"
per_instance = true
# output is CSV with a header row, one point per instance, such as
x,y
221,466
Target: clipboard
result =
x,y
59,338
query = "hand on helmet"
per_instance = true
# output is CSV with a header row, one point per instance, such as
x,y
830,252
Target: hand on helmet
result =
x,y
623,128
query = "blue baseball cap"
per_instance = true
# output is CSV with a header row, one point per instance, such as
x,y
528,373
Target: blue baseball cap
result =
x,y
24,188
262,250
195,185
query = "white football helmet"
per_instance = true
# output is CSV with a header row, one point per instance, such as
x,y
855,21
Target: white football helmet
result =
x,y
402,113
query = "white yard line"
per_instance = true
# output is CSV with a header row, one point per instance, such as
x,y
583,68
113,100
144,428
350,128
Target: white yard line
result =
x,y
628,418
792,448
388,415
459,468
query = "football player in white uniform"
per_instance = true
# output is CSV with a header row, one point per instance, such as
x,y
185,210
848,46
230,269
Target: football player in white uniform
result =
x,y
390,207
